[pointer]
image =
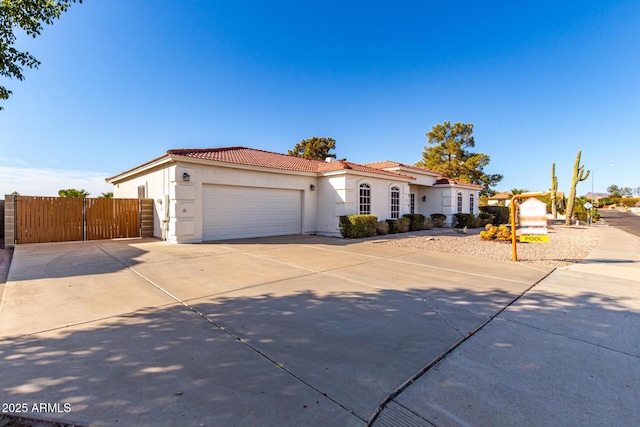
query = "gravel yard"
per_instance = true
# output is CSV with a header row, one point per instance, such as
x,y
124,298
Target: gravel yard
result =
x,y
567,245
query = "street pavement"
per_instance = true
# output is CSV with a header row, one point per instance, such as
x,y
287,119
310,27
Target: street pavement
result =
x,y
621,219
565,354
313,331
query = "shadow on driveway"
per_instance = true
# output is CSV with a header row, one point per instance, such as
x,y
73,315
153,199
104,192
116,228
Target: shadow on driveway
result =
x,y
251,361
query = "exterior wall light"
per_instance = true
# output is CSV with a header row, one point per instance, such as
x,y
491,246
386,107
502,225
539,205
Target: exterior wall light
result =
x,y
424,198
312,187
186,177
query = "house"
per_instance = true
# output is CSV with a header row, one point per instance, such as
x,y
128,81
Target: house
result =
x,y
504,199
237,192
499,199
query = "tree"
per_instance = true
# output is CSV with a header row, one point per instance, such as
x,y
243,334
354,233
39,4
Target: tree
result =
x,y
450,155
316,147
72,192
626,191
28,15
516,191
614,191
108,195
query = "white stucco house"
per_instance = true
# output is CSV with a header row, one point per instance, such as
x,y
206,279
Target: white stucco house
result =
x,y
236,192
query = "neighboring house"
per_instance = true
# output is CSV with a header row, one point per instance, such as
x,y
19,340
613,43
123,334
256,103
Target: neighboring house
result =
x,y
236,192
499,199
504,199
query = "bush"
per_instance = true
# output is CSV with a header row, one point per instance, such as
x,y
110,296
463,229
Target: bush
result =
x,y
462,220
486,217
492,232
439,220
382,228
400,225
625,201
416,221
403,224
500,213
357,226
428,224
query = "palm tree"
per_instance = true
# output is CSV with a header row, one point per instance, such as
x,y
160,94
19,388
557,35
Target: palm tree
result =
x,y
516,191
108,195
72,192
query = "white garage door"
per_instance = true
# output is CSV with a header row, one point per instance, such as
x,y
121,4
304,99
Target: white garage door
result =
x,y
232,212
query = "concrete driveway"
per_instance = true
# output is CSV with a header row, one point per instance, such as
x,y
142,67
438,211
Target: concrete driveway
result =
x,y
297,330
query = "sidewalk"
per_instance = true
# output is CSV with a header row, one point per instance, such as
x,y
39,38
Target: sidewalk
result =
x,y
566,353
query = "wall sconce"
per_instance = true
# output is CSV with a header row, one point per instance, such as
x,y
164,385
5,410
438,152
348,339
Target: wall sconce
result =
x,y
186,177
424,198
312,187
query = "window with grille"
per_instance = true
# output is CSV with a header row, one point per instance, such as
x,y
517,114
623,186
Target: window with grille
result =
x,y
412,203
459,202
472,203
364,207
395,203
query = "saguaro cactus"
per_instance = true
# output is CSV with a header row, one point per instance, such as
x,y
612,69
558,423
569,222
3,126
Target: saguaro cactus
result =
x,y
554,190
578,175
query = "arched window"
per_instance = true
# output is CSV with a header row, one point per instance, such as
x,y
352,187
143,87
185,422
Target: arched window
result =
x,y
472,203
459,202
364,205
395,203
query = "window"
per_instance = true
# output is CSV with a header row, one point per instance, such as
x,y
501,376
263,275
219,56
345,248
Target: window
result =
x,y
364,207
395,203
472,203
142,191
412,203
459,202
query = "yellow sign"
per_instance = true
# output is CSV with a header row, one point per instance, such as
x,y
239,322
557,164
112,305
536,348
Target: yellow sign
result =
x,y
534,238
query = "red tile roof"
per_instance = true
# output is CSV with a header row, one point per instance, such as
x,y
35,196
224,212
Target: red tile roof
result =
x,y
339,165
450,181
250,157
267,159
260,158
388,164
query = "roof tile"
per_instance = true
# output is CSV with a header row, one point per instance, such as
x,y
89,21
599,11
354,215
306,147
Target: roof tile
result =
x,y
267,159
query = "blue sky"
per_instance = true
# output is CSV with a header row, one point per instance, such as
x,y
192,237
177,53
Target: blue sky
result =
x,y
122,81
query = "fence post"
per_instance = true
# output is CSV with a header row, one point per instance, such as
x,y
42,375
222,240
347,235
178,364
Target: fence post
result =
x,y
9,221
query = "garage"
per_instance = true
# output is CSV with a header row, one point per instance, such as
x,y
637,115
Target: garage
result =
x,y
232,212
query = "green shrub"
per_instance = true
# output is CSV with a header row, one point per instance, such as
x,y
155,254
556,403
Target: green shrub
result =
x,y
382,228
439,220
625,201
428,224
500,213
462,220
400,225
486,216
403,224
357,226
416,221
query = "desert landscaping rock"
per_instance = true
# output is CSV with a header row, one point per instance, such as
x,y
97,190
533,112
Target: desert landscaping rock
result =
x,y
566,246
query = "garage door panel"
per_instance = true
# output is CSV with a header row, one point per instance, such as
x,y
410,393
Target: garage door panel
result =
x,y
236,212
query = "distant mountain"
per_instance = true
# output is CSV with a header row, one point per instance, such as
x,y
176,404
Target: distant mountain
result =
x,y
596,195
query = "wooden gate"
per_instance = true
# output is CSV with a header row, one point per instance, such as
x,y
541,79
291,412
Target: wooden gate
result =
x,y
112,218
63,219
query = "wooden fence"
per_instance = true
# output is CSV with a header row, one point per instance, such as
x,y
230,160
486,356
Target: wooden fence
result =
x,y
63,219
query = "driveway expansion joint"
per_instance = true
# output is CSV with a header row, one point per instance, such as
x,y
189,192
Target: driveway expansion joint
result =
x,y
239,338
448,351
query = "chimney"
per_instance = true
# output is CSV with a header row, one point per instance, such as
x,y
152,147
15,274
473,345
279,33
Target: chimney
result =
x,y
330,158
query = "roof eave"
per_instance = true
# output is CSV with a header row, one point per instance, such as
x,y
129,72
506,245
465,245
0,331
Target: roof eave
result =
x,y
158,161
391,175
